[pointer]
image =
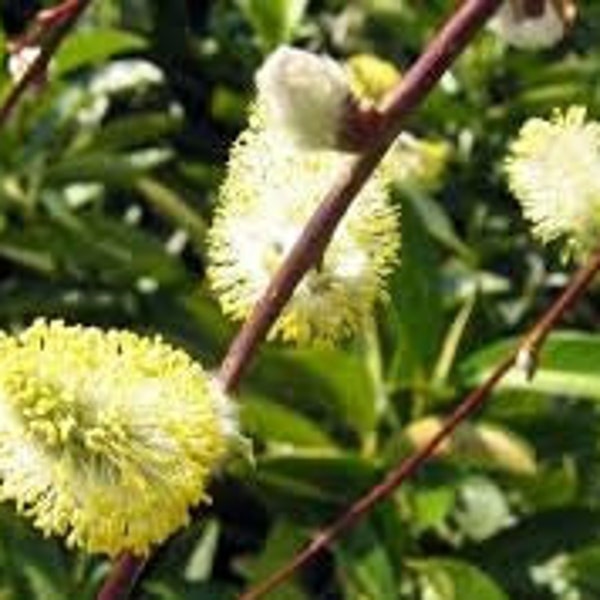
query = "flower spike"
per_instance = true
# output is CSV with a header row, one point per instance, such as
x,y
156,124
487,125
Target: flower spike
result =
x,y
554,171
106,438
271,190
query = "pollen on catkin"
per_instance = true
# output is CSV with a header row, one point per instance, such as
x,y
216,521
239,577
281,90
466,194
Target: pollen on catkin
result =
x,y
106,438
553,169
371,77
271,190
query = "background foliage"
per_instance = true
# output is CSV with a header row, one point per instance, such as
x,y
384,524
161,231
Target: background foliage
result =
x,y
107,182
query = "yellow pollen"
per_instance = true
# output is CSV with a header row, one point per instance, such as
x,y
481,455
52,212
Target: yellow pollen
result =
x,y
106,438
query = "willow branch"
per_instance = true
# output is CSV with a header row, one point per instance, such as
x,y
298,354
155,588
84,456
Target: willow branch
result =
x,y
537,335
50,41
439,55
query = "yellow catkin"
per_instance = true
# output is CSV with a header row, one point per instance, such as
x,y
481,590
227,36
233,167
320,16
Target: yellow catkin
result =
x,y
553,170
106,438
271,190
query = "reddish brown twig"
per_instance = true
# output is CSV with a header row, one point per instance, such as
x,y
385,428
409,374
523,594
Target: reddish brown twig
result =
x,y
123,577
58,14
533,339
418,82
50,37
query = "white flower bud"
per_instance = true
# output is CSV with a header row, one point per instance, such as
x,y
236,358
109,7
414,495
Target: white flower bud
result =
x,y
304,95
530,32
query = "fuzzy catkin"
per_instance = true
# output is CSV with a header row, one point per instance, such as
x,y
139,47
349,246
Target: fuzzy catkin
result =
x,y
271,190
553,170
106,438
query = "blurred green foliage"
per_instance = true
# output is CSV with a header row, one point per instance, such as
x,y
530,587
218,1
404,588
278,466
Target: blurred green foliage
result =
x,y
107,181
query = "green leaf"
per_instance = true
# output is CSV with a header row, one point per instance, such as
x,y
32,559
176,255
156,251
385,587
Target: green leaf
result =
x,y
439,226
173,207
92,47
43,582
283,542
275,21
417,305
321,382
431,506
93,248
102,167
568,366
446,579
275,423
390,525
584,568
98,304
203,557
366,567
312,487
192,320
33,567
553,487
182,591
137,130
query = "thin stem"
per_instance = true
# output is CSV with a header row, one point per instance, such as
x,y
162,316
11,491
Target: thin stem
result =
x,y
51,40
439,55
122,578
530,347
408,467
